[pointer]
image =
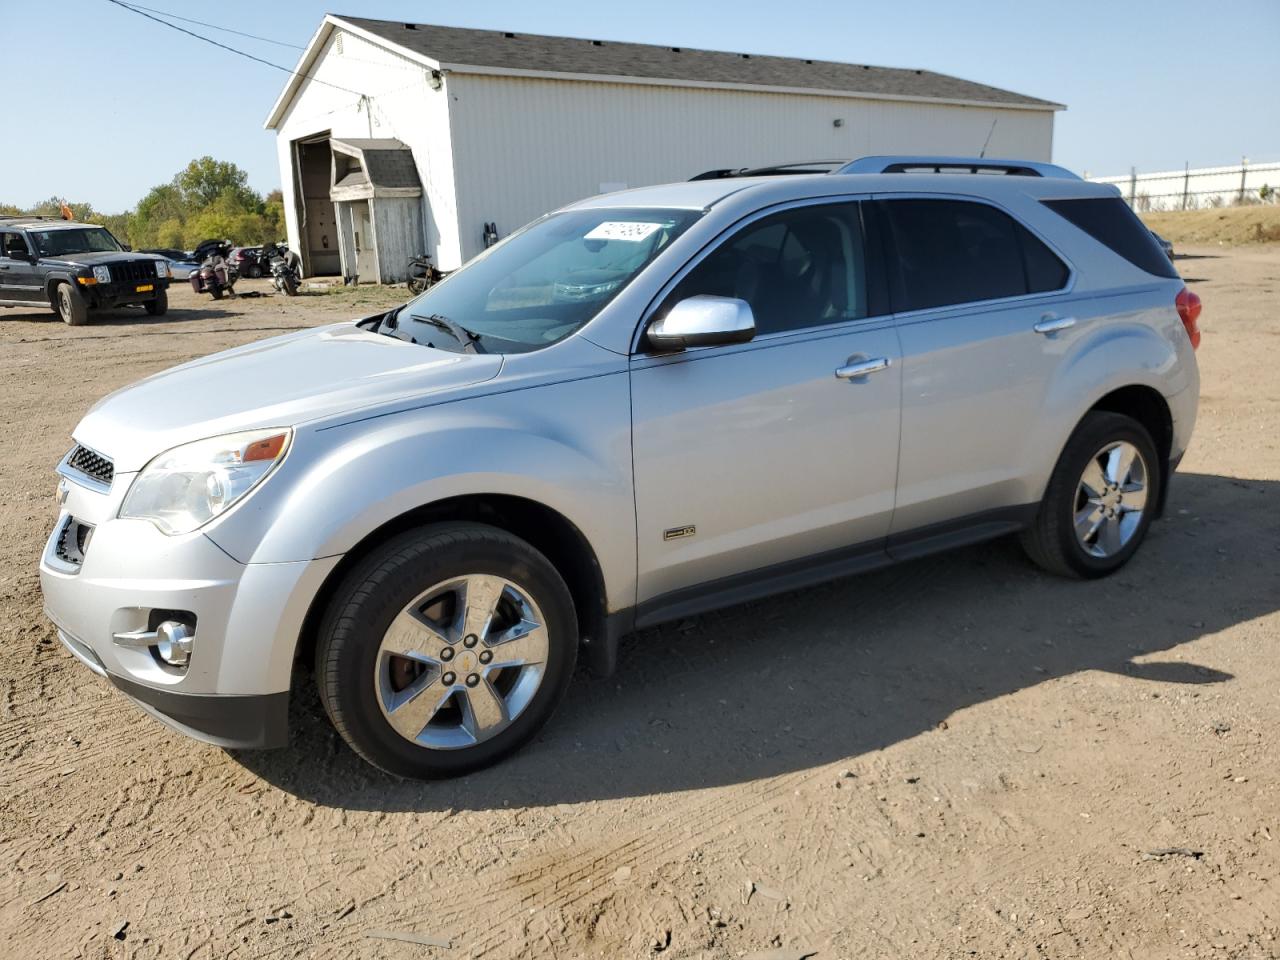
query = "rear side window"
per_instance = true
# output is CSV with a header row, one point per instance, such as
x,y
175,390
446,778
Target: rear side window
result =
x,y
950,252
1110,221
12,245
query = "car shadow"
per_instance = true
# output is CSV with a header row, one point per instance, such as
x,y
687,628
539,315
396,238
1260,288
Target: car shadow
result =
x,y
121,316
835,672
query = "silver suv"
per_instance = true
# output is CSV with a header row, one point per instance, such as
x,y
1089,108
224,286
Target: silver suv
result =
x,y
643,406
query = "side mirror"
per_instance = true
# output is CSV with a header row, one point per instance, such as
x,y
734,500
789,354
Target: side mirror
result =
x,y
703,321
15,254
128,249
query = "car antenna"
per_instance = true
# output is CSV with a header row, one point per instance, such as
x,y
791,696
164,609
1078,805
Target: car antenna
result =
x,y
986,143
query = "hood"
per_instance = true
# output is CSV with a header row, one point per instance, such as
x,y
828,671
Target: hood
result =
x,y
281,382
103,256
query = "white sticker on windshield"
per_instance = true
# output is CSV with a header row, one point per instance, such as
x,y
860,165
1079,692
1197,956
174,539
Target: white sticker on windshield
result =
x,y
629,230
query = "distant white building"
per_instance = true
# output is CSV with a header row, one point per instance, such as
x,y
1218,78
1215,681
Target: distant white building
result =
x,y
404,138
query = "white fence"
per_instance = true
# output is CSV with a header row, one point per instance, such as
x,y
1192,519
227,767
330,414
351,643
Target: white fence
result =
x,y
1189,189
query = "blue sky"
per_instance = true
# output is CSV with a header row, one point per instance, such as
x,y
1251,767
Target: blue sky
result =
x,y
102,104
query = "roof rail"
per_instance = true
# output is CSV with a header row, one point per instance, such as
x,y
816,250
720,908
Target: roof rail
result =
x,y
777,170
924,164
27,216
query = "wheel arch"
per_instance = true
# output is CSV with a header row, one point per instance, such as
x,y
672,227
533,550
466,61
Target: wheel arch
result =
x,y
51,284
546,529
1149,407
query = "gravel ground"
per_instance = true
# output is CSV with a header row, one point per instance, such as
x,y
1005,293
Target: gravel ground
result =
x,y
956,757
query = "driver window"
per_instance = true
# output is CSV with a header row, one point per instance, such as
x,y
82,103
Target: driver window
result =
x,y
800,268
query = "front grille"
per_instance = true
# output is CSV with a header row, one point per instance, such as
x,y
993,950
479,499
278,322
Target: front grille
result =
x,y
92,465
133,271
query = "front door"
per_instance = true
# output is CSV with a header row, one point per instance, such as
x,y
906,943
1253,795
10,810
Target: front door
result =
x,y
765,455
19,279
366,265
977,297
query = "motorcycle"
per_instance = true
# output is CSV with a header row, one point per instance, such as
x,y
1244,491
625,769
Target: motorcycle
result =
x,y
285,276
216,275
424,274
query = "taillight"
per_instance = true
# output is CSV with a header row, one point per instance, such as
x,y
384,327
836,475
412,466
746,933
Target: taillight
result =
x,y
1188,305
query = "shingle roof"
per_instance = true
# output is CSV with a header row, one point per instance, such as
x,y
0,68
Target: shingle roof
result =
x,y
524,51
387,162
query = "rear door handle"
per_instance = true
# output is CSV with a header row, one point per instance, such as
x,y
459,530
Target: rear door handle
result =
x,y
860,368
1050,324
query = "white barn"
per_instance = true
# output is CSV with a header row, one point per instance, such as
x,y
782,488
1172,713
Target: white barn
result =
x,y
396,139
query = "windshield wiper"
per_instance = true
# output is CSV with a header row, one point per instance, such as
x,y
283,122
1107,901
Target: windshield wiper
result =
x,y
469,339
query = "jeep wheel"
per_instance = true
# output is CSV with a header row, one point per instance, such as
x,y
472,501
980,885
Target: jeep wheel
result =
x,y
1100,499
71,305
160,305
446,649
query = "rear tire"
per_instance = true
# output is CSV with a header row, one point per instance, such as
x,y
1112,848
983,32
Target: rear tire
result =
x,y
1069,536
216,292
160,305
71,305
387,598
290,286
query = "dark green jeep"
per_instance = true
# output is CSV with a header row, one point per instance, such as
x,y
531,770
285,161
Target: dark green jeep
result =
x,y
74,268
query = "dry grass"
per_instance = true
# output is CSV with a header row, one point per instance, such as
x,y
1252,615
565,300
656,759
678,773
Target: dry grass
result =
x,y
1224,225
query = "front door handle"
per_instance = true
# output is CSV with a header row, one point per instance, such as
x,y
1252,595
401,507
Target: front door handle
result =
x,y
1050,324
860,368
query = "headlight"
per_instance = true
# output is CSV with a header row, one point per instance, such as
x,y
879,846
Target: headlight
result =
x,y
162,268
183,489
102,274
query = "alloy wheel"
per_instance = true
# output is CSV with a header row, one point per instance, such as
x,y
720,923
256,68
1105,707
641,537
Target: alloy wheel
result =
x,y
1111,499
461,662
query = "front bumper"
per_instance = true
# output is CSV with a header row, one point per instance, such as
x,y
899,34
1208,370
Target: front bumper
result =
x,y
234,722
247,618
107,295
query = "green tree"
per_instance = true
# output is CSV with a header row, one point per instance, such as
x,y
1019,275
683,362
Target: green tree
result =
x,y
206,199
205,180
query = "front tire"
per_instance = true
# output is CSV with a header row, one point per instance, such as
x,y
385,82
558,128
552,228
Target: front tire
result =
x,y
160,305
446,649
72,307
1100,500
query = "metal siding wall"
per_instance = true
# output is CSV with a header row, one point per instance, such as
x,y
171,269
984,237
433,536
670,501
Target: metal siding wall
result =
x,y
525,146
403,106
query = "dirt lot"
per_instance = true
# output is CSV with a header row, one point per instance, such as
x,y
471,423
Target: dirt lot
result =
x,y
1216,226
957,757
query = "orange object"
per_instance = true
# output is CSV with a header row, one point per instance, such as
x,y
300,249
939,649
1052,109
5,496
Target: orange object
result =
x,y
66,212
267,449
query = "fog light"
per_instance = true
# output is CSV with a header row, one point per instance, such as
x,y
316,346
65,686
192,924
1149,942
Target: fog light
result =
x,y
173,642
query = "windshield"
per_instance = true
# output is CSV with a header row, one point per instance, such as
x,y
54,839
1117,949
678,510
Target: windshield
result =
x,y
543,283
58,243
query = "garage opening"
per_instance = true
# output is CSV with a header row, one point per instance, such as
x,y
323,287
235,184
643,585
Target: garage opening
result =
x,y
317,224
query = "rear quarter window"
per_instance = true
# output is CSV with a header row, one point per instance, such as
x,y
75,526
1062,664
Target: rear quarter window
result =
x,y
949,252
1110,221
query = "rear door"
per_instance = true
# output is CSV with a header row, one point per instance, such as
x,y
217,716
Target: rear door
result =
x,y
19,279
756,456
982,311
